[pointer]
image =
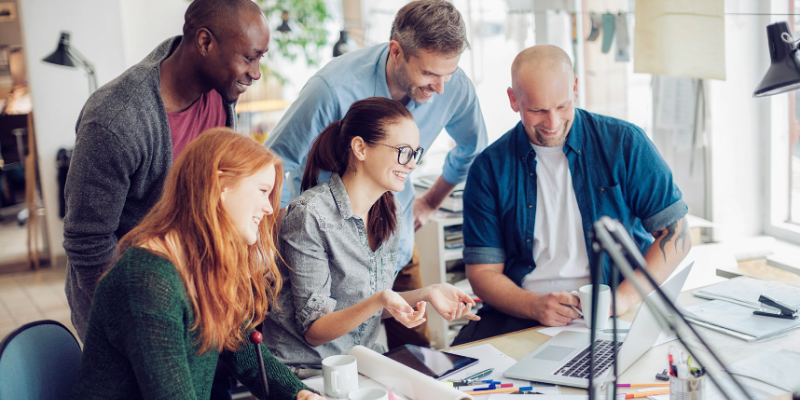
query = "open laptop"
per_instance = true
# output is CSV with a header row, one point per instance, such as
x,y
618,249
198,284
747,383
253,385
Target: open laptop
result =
x,y
564,359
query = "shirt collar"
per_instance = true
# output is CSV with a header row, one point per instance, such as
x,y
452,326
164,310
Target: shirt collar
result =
x,y
576,132
340,196
382,87
574,138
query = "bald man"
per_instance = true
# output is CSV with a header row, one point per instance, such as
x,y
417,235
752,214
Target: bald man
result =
x,y
131,129
532,196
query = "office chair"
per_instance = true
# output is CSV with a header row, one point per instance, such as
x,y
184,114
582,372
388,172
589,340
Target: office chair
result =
x,y
38,361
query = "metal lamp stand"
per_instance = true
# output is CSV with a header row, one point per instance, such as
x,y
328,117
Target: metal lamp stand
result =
x,y
608,236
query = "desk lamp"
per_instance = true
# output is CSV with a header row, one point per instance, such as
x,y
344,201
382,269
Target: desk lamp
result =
x,y
783,74
68,56
608,236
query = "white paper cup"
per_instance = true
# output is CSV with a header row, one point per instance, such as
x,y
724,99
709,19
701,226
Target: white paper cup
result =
x,y
369,394
340,375
603,305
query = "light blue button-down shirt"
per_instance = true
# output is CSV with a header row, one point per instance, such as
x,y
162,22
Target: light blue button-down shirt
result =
x,y
327,96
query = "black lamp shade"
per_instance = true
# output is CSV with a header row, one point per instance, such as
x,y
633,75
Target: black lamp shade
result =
x,y
61,55
284,27
784,72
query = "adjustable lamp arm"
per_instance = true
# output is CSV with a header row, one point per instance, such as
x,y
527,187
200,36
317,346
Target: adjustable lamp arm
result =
x,y
85,64
610,236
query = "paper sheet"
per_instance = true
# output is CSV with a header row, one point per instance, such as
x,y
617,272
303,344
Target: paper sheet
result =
x,y
578,325
739,318
400,379
777,367
680,37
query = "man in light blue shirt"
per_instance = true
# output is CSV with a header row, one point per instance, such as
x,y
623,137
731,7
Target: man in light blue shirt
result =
x,y
419,68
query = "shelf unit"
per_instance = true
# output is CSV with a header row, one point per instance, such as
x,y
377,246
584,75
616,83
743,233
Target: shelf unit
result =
x,y
433,265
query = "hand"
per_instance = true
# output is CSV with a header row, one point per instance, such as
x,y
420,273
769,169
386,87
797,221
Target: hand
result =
x,y
422,212
308,395
450,302
401,311
553,309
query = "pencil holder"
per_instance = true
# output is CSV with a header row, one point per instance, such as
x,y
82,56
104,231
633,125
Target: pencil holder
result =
x,y
687,389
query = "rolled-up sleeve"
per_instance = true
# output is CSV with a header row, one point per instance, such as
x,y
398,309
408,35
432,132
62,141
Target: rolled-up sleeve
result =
x,y
468,130
305,119
653,195
304,251
483,236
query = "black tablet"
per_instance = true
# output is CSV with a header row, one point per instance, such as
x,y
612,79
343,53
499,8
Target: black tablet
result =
x,y
434,363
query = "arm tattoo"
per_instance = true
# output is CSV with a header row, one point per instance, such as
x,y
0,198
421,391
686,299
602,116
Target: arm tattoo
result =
x,y
682,236
669,234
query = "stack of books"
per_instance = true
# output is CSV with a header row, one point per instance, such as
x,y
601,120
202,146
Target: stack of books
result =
x,y
451,203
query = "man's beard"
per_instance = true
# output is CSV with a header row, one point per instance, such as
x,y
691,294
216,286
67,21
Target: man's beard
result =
x,y
405,82
551,141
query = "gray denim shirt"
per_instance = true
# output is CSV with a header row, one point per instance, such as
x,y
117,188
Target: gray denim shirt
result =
x,y
332,268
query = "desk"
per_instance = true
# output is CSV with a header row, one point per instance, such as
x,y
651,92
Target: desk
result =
x,y
730,349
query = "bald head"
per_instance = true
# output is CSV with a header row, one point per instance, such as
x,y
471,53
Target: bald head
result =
x,y
543,91
543,59
222,17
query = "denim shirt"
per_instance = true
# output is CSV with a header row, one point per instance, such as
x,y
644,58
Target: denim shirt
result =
x,y
616,172
328,266
360,74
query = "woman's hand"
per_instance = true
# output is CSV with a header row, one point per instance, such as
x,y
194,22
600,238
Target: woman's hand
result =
x,y
308,395
401,311
450,302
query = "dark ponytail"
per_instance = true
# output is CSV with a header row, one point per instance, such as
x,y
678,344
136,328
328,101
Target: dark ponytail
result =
x,y
368,119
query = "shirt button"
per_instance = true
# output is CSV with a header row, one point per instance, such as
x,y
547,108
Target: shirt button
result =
x,y
530,266
530,205
531,174
528,240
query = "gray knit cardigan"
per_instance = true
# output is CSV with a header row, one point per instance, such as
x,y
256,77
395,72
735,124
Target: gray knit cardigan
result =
x,y
122,156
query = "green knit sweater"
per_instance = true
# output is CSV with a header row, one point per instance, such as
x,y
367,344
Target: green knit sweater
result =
x,y
139,344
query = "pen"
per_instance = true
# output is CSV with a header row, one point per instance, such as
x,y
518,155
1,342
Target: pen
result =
x,y
507,390
641,394
477,376
643,385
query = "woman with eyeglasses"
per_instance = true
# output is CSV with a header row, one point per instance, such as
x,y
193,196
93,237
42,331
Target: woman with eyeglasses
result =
x,y
339,241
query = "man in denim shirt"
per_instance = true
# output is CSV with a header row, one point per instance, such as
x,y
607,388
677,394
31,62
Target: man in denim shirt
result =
x,y
533,195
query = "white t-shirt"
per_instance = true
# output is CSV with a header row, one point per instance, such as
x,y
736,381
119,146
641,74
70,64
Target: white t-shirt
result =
x,y
559,247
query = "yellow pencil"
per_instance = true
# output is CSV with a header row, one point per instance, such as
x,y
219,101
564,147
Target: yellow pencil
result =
x,y
645,394
643,385
495,391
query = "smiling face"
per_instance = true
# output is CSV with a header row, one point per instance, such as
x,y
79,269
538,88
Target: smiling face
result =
x,y
380,162
545,101
247,202
422,74
233,60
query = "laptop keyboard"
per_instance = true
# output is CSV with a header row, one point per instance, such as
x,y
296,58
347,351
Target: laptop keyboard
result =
x,y
578,366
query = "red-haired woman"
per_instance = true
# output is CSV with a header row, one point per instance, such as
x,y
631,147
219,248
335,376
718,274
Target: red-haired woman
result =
x,y
191,282
340,239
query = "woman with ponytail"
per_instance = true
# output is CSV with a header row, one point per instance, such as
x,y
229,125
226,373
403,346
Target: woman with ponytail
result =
x,y
339,241
193,279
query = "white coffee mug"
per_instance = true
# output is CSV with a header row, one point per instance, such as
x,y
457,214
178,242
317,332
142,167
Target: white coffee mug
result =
x,y
369,394
603,304
340,374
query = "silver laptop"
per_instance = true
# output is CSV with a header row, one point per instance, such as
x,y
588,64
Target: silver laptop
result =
x,y
564,359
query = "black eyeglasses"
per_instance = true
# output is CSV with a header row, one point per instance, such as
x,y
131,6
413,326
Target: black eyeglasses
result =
x,y
405,153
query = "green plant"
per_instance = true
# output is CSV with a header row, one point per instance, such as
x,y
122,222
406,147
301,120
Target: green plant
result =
x,y
307,19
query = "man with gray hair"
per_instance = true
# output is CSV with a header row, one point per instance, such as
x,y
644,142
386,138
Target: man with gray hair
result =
x,y
419,68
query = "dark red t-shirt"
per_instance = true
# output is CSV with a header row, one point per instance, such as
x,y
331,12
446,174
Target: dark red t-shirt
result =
x,y
205,113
